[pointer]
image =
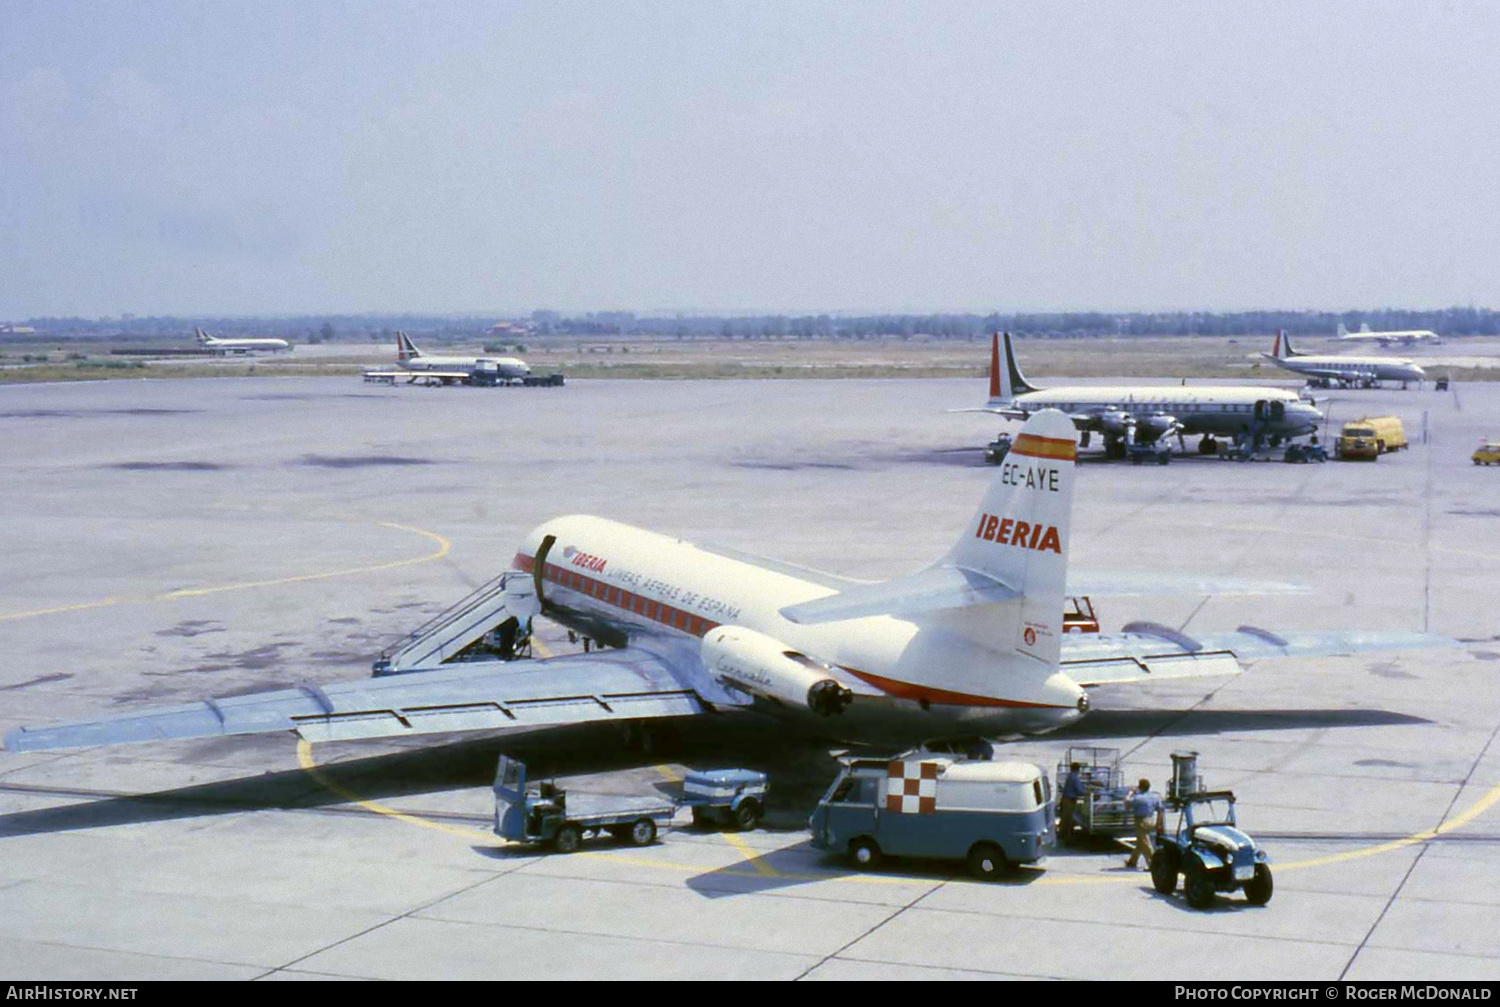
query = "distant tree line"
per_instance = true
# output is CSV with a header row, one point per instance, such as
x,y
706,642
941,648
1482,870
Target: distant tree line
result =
x,y
1062,324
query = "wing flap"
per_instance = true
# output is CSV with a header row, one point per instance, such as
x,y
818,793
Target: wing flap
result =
x,y
482,695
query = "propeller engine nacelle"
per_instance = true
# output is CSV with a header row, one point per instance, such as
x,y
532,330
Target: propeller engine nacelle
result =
x,y
1160,425
763,666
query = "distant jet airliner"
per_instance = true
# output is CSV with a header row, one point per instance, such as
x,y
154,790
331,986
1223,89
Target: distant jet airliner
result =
x,y
971,646
1405,336
238,345
1129,414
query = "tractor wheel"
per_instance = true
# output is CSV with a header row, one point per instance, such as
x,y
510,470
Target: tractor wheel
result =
x,y
568,839
864,854
643,832
746,816
1197,885
1258,889
987,861
1164,870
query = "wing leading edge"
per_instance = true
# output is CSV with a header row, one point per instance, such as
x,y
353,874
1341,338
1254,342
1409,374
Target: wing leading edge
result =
x,y
626,684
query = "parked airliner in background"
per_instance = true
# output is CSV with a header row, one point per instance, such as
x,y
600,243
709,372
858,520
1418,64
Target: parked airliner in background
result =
x,y
1143,414
1405,336
412,364
239,345
1351,371
970,646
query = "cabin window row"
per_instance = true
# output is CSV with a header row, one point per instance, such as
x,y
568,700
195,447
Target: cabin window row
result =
x,y
631,602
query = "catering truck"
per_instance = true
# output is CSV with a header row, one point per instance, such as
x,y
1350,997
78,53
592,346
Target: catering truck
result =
x,y
992,815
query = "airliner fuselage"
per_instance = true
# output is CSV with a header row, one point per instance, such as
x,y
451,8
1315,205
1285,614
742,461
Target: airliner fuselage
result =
x,y
617,583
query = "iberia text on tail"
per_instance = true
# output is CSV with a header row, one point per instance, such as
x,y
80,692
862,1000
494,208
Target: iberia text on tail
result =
x,y
1019,536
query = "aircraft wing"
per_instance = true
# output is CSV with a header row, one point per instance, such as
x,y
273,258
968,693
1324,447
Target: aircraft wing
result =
x,y
1145,651
625,684
1138,583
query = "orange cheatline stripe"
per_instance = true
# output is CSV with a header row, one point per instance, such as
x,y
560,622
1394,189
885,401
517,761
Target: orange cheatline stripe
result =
x,y
1045,447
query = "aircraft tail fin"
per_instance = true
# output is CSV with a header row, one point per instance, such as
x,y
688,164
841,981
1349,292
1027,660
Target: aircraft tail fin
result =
x,y
1019,535
1006,379
1282,349
1003,581
405,348
203,337
1343,331
1364,326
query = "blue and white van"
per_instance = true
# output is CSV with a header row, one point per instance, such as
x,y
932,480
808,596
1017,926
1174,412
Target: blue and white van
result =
x,y
992,815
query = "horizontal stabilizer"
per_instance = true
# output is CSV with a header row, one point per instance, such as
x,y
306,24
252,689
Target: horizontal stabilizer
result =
x,y
1146,651
1139,583
934,589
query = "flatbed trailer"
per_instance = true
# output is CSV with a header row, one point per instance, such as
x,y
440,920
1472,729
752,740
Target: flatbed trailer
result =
x,y
545,815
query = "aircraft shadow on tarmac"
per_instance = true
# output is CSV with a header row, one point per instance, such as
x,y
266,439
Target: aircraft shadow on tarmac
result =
x,y
800,766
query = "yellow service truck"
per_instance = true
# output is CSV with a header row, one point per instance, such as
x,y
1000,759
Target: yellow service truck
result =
x,y
1371,437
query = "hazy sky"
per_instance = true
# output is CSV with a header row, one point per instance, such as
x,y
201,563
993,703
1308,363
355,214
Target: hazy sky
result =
x,y
216,157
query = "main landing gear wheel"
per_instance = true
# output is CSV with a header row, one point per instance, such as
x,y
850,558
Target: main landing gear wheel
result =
x,y
987,862
864,854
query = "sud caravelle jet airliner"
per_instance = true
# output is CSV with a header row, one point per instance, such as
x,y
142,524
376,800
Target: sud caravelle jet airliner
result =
x,y
971,646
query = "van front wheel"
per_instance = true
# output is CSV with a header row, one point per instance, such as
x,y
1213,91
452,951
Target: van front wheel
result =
x,y
987,861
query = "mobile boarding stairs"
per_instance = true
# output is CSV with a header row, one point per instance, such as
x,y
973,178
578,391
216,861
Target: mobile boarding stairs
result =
x,y
487,623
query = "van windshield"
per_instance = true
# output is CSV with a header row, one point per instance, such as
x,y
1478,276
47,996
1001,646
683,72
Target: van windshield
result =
x,y
854,790
1359,432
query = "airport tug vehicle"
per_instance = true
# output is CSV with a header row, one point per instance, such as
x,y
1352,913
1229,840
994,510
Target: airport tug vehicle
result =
x,y
1487,453
991,815
1207,848
543,815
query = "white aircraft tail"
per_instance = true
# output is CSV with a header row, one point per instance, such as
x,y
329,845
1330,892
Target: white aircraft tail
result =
x,y
1364,326
1006,379
1002,582
204,339
405,348
1342,330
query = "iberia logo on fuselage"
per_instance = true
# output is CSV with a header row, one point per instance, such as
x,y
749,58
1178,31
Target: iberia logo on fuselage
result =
x,y
588,561
1021,534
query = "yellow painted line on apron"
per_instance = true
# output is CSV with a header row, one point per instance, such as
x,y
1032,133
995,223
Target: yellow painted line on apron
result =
x,y
752,855
310,766
444,546
1474,810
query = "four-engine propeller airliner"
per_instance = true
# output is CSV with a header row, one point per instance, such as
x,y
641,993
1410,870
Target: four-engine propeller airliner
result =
x,y
239,344
1326,369
1144,414
972,645
413,364
1405,336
